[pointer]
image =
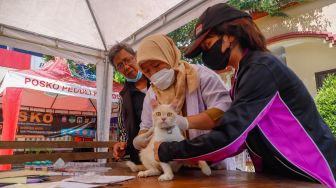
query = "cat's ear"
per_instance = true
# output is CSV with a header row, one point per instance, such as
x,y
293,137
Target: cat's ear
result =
x,y
173,105
154,103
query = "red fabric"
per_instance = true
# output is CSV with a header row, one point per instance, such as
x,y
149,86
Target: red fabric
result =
x,y
117,87
88,139
13,59
81,139
11,100
78,139
40,99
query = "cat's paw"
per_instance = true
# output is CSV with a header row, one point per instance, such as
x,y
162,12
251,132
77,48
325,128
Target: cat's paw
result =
x,y
150,172
166,177
142,174
206,170
204,167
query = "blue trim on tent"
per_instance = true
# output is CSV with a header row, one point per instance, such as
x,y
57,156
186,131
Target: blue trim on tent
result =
x,y
22,51
28,52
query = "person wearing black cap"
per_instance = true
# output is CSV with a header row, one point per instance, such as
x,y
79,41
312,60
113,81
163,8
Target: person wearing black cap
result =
x,y
272,114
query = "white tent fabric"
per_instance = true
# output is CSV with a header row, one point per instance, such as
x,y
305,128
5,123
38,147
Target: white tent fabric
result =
x,y
73,21
83,30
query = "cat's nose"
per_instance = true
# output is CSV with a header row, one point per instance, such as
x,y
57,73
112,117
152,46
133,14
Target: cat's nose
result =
x,y
163,119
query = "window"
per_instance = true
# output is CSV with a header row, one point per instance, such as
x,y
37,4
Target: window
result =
x,y
320,76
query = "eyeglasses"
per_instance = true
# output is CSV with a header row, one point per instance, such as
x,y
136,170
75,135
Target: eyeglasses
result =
x,y
125,61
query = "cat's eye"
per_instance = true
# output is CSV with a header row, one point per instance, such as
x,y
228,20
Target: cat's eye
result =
x,y
158,113
169,114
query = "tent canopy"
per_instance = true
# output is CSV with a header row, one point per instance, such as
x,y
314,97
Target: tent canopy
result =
x,y
73,22
84,29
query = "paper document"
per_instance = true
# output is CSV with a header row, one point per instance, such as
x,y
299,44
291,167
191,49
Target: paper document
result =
x,y
63,184
59,184
19,173
99,179
14,180
33,185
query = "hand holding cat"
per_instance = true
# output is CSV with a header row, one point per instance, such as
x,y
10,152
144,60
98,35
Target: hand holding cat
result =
x,y
182,122
119,150
142,140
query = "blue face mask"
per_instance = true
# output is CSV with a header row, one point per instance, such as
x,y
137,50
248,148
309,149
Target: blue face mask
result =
x,y
137,78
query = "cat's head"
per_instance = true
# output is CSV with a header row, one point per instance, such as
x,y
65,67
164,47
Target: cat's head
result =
x,y
164,115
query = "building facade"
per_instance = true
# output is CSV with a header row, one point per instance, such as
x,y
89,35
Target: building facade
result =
x,y
305,41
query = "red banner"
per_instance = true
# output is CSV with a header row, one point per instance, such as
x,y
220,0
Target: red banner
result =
x,y
13,59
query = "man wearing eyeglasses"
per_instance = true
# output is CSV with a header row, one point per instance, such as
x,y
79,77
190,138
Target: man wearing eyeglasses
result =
x,y
123,59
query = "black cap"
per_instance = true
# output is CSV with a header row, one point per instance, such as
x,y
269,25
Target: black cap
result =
x,y
211,17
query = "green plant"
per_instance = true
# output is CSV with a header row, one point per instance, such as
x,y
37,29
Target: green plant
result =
x,y
47,58
272,7
182,37
326,101
118,77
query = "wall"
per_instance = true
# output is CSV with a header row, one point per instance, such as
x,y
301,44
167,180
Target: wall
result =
x,y
307,58
318,15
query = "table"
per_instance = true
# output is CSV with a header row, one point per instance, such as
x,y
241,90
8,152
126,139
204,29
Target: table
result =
x,y
193,178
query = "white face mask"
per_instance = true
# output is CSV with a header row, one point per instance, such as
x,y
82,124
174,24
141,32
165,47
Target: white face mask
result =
x,y
163,79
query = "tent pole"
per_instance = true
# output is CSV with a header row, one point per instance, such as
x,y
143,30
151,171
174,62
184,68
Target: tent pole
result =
x,y
96,24
104,98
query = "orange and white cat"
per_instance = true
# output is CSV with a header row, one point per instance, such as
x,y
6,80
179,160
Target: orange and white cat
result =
x,y
165,130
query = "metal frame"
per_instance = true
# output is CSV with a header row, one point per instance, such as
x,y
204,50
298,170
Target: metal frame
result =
x,y
96,24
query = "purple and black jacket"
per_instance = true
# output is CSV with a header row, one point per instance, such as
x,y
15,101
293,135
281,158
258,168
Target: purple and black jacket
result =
x,y
275,118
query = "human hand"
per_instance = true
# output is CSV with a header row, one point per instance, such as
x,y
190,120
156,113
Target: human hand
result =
x,y
156,151
142,140
119,150
182,122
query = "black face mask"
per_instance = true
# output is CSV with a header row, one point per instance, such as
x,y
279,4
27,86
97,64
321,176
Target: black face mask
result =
x,y
214,58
